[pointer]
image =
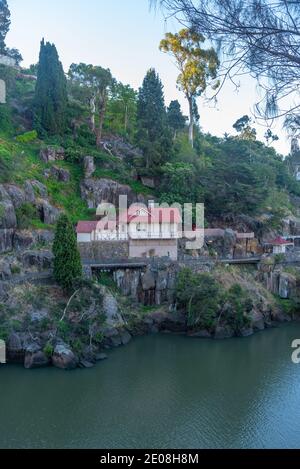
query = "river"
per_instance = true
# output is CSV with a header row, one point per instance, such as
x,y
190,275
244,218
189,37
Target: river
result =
x,y
161,391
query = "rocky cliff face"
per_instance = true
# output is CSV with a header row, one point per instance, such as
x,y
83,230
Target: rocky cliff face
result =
x,y
97,191
285,285
12,198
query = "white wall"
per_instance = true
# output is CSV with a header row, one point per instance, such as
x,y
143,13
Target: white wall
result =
x,y
154,230
83,237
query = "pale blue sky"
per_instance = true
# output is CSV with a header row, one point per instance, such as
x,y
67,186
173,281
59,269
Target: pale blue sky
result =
x,y
122,35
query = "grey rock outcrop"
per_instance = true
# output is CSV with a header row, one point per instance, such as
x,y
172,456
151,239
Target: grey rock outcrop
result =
x,y
38,188
60,174
8,218
64,358
89,166
287,286
16,194
6,240
111,310
5,271
39,259
48,213
29,192
35,359
23,239
49,153
223,332
97,191
120,148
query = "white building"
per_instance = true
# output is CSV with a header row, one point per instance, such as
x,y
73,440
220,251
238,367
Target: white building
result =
x,y
150,231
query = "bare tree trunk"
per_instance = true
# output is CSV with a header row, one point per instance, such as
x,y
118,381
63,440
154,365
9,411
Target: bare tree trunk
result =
x,y
93,112
191,122
65,310
102,111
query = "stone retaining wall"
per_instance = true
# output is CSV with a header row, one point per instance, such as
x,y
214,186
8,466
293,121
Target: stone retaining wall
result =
x,y
104,250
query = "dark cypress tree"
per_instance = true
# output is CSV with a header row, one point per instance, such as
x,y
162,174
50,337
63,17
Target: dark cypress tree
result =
x,y
4,24
176,119
50,93
153,135
67,263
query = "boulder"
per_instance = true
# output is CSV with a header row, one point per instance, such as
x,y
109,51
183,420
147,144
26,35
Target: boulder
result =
x,y
111,310
5,272
48,213
125,337
14,343
246,331
39,188
51,153
164,320
39,315
64,358
223,332
112,337
40,259
6,240
8,218
35,359
45,236
23,239
120,148
60,174
257,320
16,195
29,192
85,364
97,191
89,166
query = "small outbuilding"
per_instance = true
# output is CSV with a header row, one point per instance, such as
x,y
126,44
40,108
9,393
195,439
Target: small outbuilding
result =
x,y
280,245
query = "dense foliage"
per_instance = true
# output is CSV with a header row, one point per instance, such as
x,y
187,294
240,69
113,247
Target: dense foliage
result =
x,y
4,23
153,135
208,304
67,264
50,103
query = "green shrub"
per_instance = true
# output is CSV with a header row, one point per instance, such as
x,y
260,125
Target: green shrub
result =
x,y
199,294
27,137
98,337
26,213
48,350
279,258
15,269
236,306
73,154
63,329
77,346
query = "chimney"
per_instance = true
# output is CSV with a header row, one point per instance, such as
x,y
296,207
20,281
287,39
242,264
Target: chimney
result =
x,y
151,204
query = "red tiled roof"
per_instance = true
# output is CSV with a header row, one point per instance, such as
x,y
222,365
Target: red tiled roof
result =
x,y
279,241
86,226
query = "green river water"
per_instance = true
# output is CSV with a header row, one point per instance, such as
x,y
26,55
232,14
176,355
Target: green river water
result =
x,y
161,391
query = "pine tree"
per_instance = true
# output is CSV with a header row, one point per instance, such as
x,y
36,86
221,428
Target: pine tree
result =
x,y
4,24
67,263
153,135
51,92
176,119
